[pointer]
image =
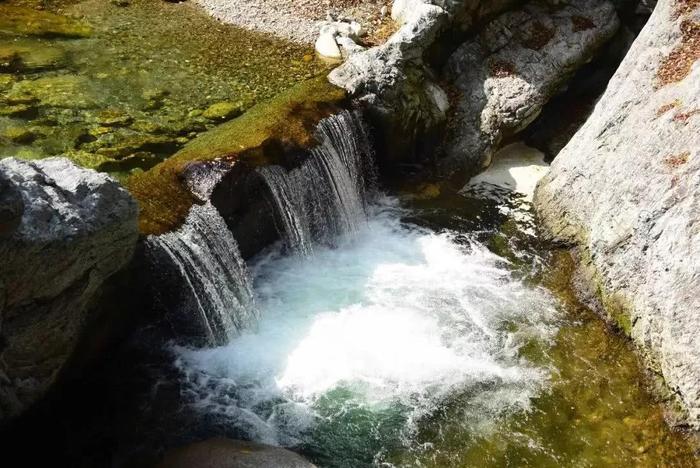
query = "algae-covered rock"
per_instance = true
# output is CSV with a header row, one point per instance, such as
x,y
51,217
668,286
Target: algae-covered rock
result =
x,y
624,190
223,111
21,21
76,228
29,56
65,91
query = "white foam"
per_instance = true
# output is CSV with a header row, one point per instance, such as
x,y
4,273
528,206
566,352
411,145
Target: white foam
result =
x,y
397,315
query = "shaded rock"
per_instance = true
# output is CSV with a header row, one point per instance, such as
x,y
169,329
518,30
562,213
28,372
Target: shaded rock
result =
x,y
625,192
113,118
227,453
77,228
223,111
512,68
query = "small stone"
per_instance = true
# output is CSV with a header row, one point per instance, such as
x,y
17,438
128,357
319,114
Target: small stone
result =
x,y
120,3
327,47
194,113
18,110
223,111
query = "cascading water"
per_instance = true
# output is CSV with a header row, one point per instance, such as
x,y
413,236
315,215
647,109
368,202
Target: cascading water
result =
x,y
215,276
324,199
360,342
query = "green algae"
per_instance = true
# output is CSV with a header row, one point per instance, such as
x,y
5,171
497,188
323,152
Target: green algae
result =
x,y
260,136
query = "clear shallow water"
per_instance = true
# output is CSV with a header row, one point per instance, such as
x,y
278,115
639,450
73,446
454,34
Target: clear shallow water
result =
x,y
360,344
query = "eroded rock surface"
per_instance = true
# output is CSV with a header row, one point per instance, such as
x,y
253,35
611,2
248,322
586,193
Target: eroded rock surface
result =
x,y
625,190
63,231
395,81
513,67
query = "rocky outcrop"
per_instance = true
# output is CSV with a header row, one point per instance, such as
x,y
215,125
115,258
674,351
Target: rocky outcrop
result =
x,y
63,231
406,102
625,192
513,67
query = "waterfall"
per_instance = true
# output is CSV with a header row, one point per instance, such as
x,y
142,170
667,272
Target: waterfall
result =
x,y
216,281
325,197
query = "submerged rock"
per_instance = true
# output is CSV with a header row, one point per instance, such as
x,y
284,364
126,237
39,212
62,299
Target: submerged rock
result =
x,y
64,91
625,192
227,453
63,232
513,67
23,21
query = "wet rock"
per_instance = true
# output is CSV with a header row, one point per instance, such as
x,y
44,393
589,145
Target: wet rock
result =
x,y
513,67
6,80
24,21
227,453
77,228
624,191
222,111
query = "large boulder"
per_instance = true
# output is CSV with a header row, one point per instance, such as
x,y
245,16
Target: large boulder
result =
x,y
625,191
510,70
63,231
393,79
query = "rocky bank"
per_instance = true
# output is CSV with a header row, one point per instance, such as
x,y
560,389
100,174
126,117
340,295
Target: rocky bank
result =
x,y
64,231
624,193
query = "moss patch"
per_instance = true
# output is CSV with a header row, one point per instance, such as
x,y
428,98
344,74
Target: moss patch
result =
x,y
286,121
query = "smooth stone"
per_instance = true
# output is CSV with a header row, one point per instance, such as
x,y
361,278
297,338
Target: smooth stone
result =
x,y
327,47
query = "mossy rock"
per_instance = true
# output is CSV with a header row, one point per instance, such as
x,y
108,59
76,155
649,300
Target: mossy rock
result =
x,y
255,138
22,21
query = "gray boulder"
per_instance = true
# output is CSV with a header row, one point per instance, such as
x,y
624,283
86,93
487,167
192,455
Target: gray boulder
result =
x,y
63,231
625,192
514,66
393,78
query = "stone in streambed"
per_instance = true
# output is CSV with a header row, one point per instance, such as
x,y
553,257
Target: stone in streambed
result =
x,y
222,111
63,91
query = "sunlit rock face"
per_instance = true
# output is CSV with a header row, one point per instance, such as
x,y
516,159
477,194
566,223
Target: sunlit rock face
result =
x,y
63,232
513,67
625,189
